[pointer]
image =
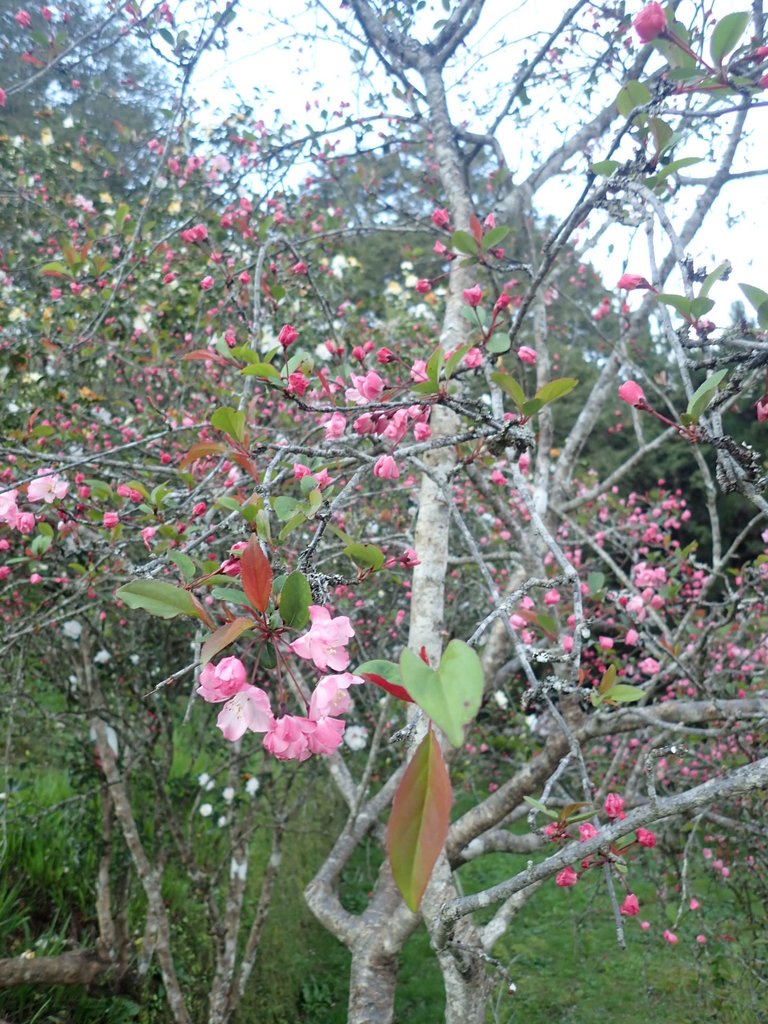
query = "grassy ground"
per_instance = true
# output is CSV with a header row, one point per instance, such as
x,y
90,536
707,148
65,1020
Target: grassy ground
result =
x,y
561,952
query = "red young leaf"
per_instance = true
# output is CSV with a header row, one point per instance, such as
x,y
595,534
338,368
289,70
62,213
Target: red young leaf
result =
x,y
202,450
245,463
205,354
256,574
477,229
393,688
223,637
418,824
423,655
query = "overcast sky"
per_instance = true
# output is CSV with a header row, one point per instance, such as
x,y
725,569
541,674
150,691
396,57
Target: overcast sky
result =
x,y
272,53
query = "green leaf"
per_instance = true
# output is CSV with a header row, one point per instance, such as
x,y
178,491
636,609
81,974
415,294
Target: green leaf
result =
x,y
435,365
426,387
677,302
540,806
231,504
368,556
494,236
223,637
291,525
285,507
608,680
511,386
759,299
728,32
555,389
624,694
672,168
158,598
455,359
231,595
462,241
605,167
531,407
704,394
295,599
715,276
418,824
229,421
498,344
451,695
595,582
40,545
632,95
55,270
263,370
662,133
700,306
183,563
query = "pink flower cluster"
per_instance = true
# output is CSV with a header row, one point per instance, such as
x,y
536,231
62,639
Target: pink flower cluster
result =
x,y
47,487
247,708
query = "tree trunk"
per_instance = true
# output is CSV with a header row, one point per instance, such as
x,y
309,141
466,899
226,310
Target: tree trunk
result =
x,y
80,967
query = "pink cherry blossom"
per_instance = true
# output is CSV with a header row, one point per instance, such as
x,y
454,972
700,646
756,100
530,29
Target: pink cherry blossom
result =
x,y
222,681
330,696
386,468
25,523
650,22
323,478
335,426
441,218
207,283
630,907
366,389
23,19
325,643
287,335
423,286
526,355
326,736
473,358
47,487
614,806
247,711
670,937
646,838
473,296
761,408
632,394
586,831
2,97
566,878
701,939
409,559
419,371
287,739
629,282
8,511
694,904
109,520
649,666
198,233
297,383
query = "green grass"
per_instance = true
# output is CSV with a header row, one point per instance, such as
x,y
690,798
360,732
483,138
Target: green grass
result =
x,y
561,950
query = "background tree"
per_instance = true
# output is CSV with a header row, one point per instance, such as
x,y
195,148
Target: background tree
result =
x,y
404,462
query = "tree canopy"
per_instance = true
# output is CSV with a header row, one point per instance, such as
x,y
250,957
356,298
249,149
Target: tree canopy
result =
x,y
417,435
